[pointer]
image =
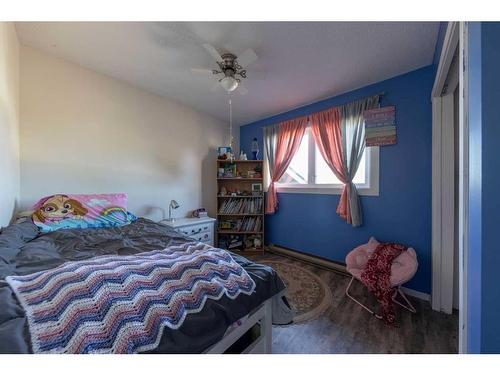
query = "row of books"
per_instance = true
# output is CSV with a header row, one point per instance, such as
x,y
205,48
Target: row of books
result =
x,y
241,206
247,224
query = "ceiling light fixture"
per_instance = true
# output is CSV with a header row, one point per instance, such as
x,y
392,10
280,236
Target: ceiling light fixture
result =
x,y
229,83
232,66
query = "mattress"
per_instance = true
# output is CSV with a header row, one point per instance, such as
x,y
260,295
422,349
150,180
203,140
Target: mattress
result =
x,y
23,250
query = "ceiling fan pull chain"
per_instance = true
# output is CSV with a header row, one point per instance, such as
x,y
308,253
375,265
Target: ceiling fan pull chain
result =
x,y
230,123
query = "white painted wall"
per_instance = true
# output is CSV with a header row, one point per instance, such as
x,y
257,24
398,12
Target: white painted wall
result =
x,y
9,122
84,132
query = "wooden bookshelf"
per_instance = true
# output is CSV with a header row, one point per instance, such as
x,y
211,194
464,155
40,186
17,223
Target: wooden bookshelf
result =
x,y
241,220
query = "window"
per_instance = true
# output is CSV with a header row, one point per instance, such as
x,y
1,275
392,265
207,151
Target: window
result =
x,y
308,172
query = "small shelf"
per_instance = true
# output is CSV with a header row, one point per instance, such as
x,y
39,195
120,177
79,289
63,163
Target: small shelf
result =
x,y
259,214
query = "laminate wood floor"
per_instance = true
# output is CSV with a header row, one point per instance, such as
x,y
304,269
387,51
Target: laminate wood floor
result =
x,y
347,328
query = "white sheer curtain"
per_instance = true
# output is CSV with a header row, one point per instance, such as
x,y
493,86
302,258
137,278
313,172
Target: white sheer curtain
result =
x,y
353,142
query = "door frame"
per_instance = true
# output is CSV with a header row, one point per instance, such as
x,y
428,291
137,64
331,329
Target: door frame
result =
x,y
443,210
463,183
442,187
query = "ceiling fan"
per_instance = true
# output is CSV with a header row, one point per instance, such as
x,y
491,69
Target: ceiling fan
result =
x,y
231,68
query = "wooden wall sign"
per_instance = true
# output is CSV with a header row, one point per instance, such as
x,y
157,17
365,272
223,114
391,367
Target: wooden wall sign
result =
x,y
380,126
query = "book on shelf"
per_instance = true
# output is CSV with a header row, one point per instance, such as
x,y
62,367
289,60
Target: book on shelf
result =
x,y
247,224
241,206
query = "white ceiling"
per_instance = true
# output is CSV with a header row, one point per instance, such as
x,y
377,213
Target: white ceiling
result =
x,y
303,61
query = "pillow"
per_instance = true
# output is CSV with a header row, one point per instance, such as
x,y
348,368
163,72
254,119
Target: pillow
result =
x,y
64,211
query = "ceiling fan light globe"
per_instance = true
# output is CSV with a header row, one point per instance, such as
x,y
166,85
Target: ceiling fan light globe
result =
x,y
229,83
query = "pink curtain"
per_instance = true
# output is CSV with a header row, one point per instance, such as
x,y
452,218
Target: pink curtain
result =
x,y
290,135
327,131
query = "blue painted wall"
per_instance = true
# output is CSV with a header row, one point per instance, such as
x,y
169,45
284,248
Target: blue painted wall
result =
x,y
402,211
483,277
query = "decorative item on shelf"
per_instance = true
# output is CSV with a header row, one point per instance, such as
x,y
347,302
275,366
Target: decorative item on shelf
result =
x,y
229,171
258,171
257,189
223,191
257,242
243,156
255,148
220,172
224,153
253,241
224,224
172,206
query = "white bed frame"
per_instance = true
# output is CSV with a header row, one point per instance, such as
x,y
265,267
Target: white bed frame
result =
x,y
261,345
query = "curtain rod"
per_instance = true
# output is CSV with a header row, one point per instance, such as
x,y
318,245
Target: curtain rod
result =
x,y
382,93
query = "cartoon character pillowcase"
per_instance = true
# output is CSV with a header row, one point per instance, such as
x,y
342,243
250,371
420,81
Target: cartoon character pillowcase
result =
x,y
64,211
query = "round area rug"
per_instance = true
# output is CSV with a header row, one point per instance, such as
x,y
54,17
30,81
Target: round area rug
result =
x,y
308,295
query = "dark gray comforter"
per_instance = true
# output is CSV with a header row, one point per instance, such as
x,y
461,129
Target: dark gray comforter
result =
x,y
23,251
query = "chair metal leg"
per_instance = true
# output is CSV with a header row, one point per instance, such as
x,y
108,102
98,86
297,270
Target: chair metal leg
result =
x,y
408,306
359,303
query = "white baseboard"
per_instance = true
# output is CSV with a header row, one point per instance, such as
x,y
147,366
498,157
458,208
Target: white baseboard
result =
x,y
335,267
417,294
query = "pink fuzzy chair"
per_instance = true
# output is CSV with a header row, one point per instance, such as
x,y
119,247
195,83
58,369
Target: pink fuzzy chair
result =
x,y
403,269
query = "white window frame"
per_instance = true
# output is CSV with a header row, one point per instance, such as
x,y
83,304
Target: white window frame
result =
x,y
369,188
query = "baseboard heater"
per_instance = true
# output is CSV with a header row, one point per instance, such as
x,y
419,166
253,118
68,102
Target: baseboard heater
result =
x,y
313,259
330,265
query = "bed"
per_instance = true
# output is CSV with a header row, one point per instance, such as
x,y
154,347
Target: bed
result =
x,y
219,327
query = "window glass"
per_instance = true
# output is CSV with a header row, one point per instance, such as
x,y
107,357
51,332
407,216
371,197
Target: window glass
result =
x,y
324,174
298,169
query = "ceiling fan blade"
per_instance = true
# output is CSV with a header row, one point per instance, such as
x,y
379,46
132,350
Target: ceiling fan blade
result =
x,y
211,50
202,71
247,57
242,89
216,87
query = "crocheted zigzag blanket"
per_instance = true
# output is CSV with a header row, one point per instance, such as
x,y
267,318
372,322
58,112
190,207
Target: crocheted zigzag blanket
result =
x,y
121,304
